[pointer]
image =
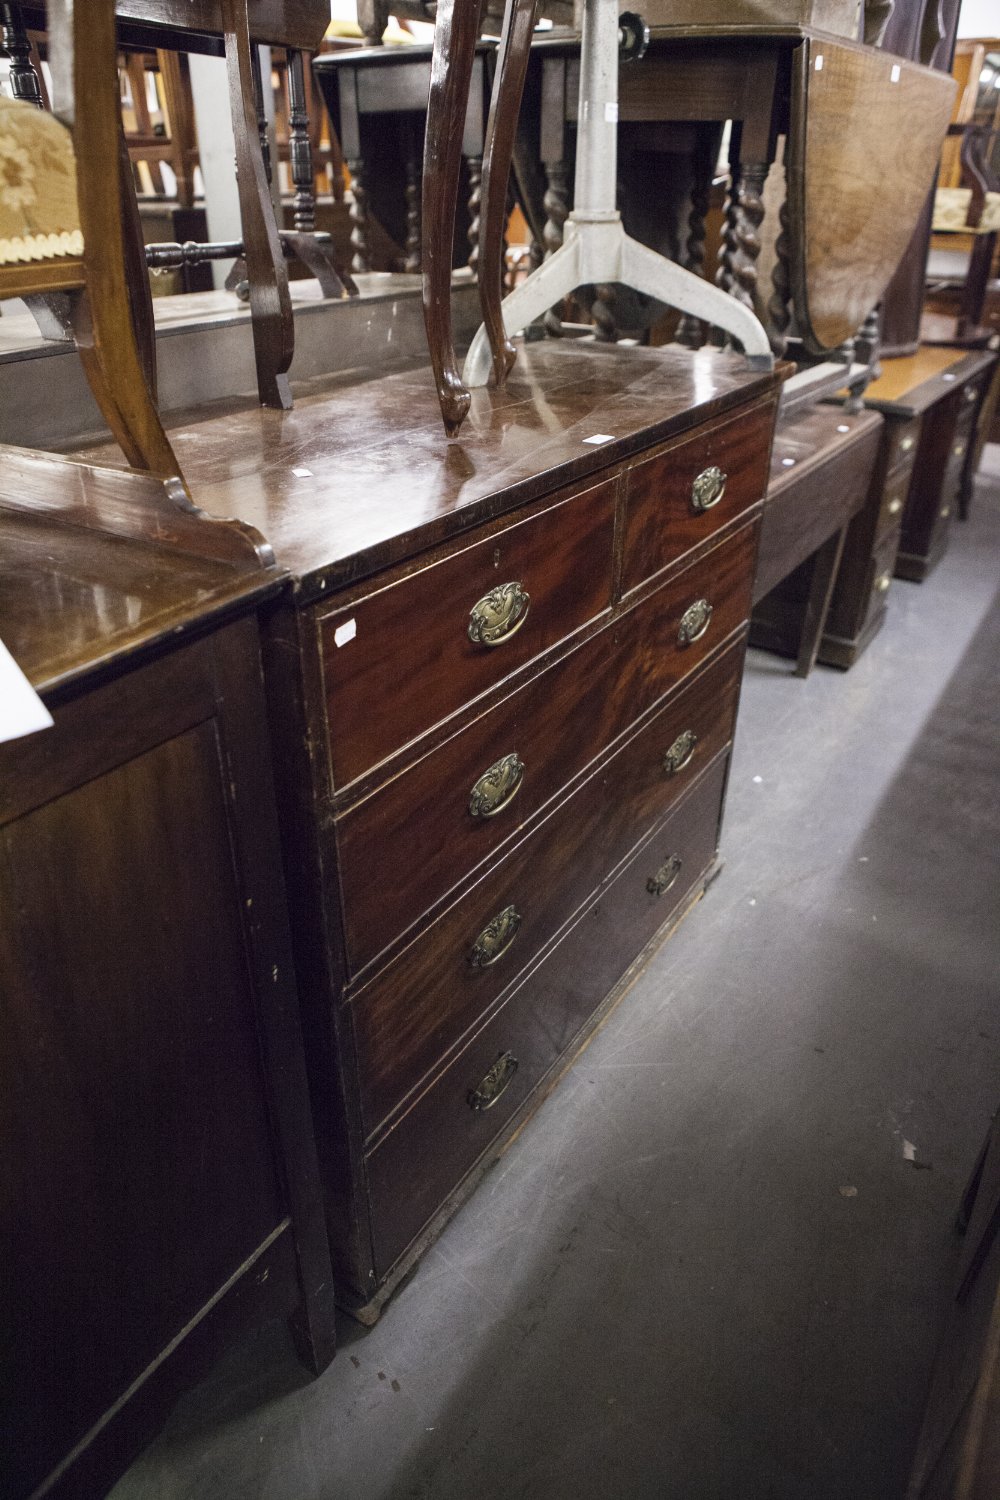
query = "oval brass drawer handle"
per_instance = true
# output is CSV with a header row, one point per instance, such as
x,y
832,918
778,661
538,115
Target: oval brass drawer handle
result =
x,y
694,622
497,787
499,1078
708,489
498,615
680,752
666,875
495,938
882,582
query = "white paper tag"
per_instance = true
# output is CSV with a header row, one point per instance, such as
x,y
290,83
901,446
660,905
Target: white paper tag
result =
x,y
611,112
21,709
303,473
345,632
894,75
600,437
819,63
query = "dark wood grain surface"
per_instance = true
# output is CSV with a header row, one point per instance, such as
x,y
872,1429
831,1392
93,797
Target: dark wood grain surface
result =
x,y
441,1137
419,824
72,602
816,494
383,484
417,1008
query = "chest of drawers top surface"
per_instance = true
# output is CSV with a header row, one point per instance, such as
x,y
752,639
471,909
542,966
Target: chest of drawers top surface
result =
x,y
913,384
358,476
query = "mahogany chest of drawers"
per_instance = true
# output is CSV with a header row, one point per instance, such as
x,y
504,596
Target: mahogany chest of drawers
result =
x,y
502,696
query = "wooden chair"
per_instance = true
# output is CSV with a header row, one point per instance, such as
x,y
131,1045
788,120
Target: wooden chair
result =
x,y
61,237
224,26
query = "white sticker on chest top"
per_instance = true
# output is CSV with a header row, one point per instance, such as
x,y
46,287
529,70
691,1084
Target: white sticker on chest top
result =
x,y
600,437
345,632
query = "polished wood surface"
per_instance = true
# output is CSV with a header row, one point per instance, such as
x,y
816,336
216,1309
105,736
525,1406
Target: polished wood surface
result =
x,y
910,384
415,628
416,832
407,1018
387,717
409,490
73,603
661,513
427,809
154,1102
441,1132
868,137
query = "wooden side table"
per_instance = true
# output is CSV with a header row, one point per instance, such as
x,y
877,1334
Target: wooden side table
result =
x,y
820,469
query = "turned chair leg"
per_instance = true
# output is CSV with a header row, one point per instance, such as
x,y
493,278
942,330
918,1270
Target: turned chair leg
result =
x,y
270,301
456,32
501,130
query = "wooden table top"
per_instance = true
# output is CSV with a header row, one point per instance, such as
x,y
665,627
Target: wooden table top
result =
x,y
811,438
359,473
73,602
911,384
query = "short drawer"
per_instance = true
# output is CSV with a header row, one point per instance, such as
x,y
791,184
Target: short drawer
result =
x,y
680,496
902,439
453,1122
428,997
880,575
401,658
894,493
412,840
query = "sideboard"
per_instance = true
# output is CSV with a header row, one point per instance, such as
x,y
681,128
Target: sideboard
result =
x,y
502,692
159,1171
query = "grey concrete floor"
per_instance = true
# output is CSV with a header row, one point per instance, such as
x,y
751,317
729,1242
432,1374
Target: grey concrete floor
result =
x,y
706,1269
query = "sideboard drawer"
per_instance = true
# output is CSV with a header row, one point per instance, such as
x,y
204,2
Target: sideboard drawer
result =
x,y
683,494
444,1133
399,659
418,835
423,1002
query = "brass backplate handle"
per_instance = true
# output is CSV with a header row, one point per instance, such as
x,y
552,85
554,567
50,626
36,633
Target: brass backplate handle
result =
x,y
708,489
680,752
495,938
498,616
499,1078
694,622
497,787
660,883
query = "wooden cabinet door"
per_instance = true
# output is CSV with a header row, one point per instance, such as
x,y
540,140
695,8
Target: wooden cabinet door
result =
x,y
149,1146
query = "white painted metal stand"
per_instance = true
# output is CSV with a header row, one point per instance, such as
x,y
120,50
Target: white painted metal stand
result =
x,y
596,249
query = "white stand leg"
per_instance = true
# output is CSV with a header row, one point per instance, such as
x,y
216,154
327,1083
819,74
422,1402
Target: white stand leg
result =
x,y
596,249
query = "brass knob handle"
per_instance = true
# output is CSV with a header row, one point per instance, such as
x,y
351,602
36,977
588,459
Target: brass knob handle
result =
x,y
660,883
680,752
499,1078
694,622
895,506
945,512
970,393
498,615
882,582
497,787
708,489
495,938
907,444
958,450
